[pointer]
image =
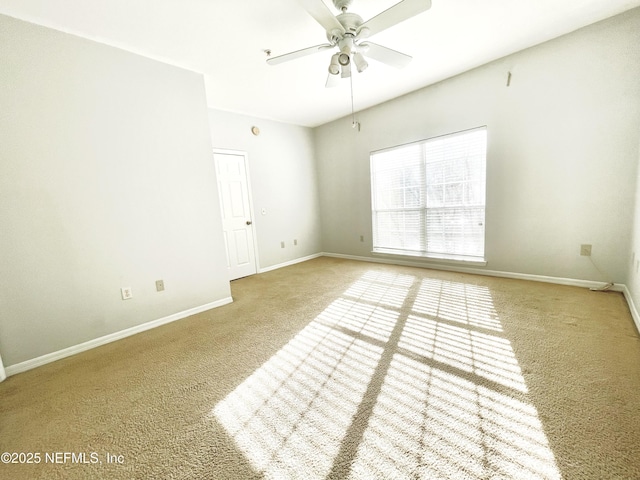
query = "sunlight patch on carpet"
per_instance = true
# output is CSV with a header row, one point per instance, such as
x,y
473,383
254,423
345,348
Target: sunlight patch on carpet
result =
x,y
431,424
397,378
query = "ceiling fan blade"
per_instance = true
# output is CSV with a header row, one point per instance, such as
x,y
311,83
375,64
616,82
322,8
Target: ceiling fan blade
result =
x,y
346,70
298,54
385,55
332,81
318,10
398,13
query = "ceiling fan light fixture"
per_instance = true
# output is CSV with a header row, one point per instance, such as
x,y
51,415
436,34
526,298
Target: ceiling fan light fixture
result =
x,y
334,66
344,59
361,63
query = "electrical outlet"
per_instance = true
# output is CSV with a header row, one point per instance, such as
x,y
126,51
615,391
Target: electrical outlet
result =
x,y
126,293
159,285
281,244
295,241
585,250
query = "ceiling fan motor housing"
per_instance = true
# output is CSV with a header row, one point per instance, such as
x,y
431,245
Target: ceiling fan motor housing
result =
x,y
350,22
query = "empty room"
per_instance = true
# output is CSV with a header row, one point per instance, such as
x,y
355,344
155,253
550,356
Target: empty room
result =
x,y
320,239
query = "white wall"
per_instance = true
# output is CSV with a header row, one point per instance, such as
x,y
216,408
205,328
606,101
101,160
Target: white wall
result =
x,y
562,152
283,178
106,180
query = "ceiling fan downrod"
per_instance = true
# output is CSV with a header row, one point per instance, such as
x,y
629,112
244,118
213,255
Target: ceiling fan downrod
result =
x,y
342,5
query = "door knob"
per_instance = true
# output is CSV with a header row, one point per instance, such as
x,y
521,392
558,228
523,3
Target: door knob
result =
x,y
249,222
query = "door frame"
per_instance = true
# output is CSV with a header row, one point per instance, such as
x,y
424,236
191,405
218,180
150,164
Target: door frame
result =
x,y
3,374
245,156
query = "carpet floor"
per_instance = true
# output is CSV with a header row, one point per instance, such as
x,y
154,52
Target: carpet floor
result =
x,y
336,369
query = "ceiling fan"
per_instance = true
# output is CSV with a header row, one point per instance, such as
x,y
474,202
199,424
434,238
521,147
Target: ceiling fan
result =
x,y
348,33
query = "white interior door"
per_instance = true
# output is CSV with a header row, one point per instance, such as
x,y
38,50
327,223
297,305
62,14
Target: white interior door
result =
x,y
237,221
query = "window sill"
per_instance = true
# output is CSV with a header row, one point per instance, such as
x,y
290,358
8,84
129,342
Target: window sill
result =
x,y
431,257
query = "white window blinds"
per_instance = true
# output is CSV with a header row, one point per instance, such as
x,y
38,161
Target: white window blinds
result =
x,y
428,197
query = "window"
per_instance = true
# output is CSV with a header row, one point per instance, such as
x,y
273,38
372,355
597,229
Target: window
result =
x,y
428,197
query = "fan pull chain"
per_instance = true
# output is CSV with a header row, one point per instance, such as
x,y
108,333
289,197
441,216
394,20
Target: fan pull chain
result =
x,y
354,124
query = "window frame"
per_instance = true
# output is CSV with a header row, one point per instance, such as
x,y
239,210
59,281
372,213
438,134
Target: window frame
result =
x,y
480,179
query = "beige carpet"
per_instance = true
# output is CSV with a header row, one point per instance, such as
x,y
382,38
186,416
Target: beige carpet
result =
x,y
341,369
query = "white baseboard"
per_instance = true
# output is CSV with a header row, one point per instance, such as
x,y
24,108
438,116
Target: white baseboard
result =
x,y
291,262
632,307
491,273
112,337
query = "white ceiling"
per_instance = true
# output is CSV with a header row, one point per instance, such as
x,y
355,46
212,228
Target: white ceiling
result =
x,y
226,40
